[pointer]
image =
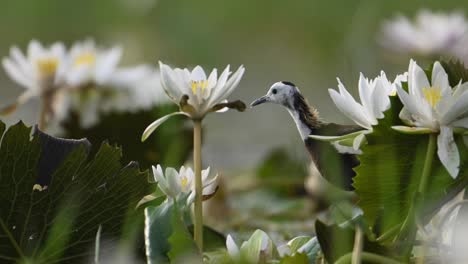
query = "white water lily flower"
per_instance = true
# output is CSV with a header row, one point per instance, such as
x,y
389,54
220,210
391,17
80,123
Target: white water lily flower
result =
x,y
374,95
431,34
98,85
88,64
434,107
173,183
259,246
197,94
40,70
136,88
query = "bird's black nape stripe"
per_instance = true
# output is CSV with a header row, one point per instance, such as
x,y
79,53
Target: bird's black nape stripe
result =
x,y
307,115
288,83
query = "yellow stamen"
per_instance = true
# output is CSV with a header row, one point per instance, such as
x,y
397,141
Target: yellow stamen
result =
x,y
433,95
87,58
47,66
184,183
198,84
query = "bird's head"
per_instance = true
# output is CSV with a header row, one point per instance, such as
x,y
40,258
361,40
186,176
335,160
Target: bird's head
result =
x,y
280,93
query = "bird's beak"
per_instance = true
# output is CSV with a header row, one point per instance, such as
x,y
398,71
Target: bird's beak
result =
x,y
260,100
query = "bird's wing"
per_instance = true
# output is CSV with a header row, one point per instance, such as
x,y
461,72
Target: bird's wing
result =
x,y
332,129
336,167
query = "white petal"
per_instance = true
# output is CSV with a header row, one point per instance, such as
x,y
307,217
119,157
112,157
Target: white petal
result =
x,y
170,83
217,91
190,198
173,181
210,189
190,175
16,74
448,152
351,109
162,182
198,74
459,109
23,63
213,180
79,76
365,92
212,79
128,76
460,89
232,247
230,85
440,79
417,79
35,50
182,78
57,50
380,100
159,170
106,64
152,127
461,123
411,105
205,173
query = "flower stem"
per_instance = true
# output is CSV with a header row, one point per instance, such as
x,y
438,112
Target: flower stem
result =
x,y
358,244
198,223
407,230
368,257
427,163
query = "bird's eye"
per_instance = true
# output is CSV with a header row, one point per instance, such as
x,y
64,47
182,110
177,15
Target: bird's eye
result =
x,y
274,91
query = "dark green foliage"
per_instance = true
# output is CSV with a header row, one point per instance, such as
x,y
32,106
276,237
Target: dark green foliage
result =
x,y
388,177
282,173
170,145
212,239
299,258
456,71
60,222
336,241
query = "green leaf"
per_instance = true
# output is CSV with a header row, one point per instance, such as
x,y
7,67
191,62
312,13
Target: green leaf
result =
x,y
336,241
181,241
166,236
306,245
217,257
297,242
388,176
259,248
300,258
98,191
158,229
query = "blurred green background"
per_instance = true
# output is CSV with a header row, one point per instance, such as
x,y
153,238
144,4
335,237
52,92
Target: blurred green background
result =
x,y
307,42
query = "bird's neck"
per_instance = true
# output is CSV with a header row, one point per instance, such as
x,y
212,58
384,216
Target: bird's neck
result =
x,y
305,117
